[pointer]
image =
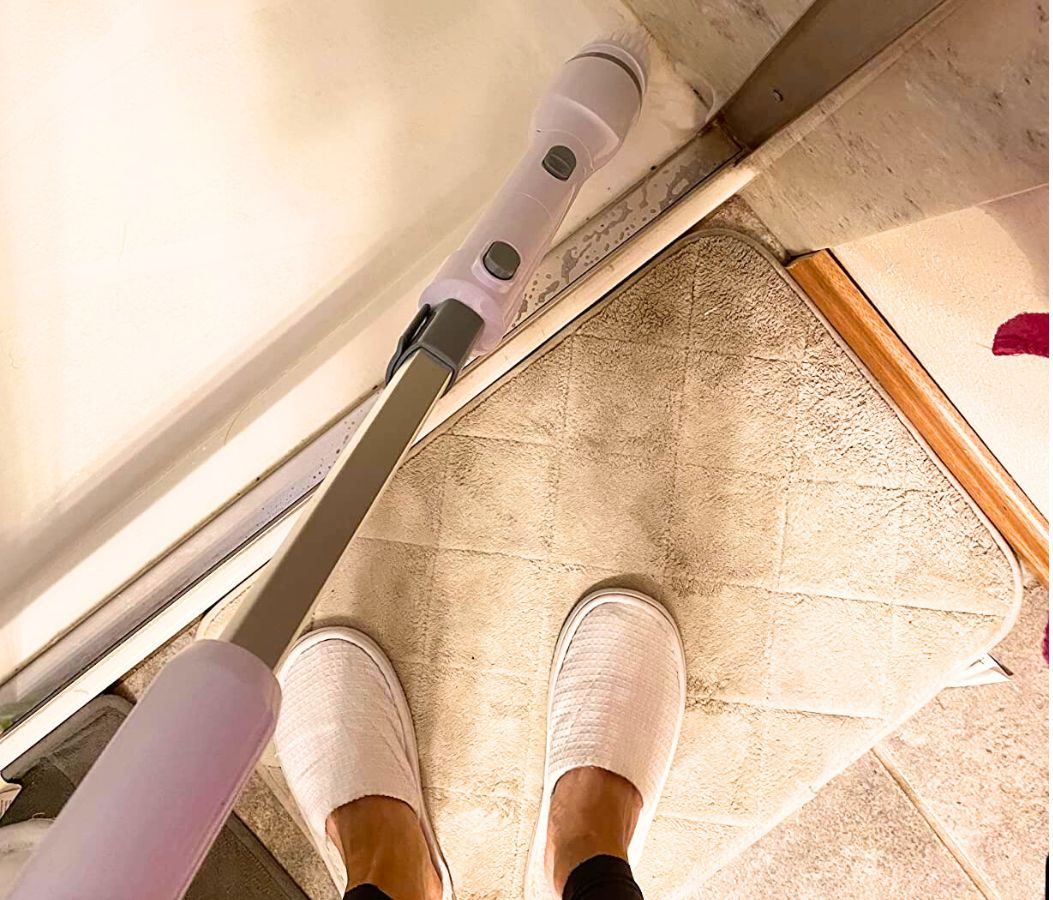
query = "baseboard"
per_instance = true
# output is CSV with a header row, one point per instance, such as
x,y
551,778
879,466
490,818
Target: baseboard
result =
x,y
905,380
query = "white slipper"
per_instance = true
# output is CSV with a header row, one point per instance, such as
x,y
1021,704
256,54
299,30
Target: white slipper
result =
x,y
616,701
345,732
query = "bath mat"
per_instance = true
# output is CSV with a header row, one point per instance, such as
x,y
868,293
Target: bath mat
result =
x,y
702,436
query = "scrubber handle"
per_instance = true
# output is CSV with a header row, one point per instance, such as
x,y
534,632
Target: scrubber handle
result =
x,y
141,822
581,122
490,271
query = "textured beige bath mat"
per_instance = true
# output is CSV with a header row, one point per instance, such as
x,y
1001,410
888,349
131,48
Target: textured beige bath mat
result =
x,y
701,436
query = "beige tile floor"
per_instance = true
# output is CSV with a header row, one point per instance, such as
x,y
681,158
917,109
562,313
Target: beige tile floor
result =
x,y
953,805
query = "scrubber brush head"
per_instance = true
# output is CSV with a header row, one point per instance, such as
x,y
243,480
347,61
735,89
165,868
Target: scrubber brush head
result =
x,y
579,125
597,97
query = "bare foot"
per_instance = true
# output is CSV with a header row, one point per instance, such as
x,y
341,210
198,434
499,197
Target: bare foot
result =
x,y
593,813
381,842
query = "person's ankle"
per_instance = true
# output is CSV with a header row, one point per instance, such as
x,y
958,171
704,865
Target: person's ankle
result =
x,y
381,843
593,813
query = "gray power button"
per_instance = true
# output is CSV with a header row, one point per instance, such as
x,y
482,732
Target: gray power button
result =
x,y
501,260
559,162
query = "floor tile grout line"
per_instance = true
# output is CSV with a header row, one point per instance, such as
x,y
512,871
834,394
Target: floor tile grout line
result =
x,y
791,481
790,476
433,562
564,399
754,706
687,348
666,540
523,800
978,879
669,570
566,562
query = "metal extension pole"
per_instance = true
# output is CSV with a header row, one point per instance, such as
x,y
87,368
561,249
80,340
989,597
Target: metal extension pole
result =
x,y
210,712
426,363
281,599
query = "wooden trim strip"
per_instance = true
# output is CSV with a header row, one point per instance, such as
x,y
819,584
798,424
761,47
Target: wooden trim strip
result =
x,y
920,399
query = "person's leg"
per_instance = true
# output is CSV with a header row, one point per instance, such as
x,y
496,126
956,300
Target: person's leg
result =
x,y
591,821
616,702
384,850
366,892
346,746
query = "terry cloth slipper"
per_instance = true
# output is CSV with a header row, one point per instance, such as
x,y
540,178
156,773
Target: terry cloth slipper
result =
x,y
344,733
616,702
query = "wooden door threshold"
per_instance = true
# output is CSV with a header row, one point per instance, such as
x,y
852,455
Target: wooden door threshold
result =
x,y
929,410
